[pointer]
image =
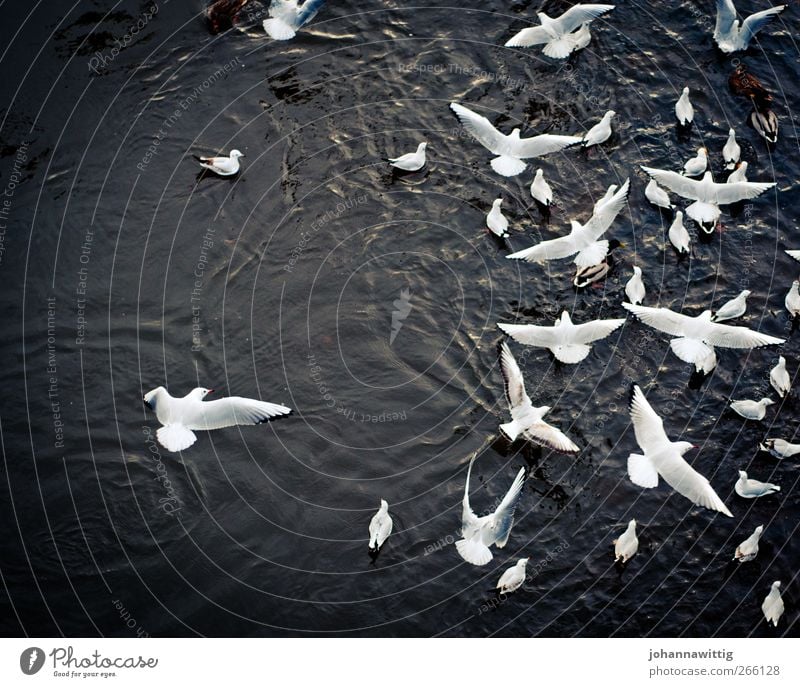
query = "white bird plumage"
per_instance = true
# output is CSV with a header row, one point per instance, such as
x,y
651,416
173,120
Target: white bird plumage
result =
x,y
513,578
380,527
731,150
683,108
792,300
665,458
286,17
657,195
540,189
678,234
780,448
772,606
496,220
779,378
696,166
411,162
751,410
626,546
634,288
730,35
223,165
748,549
738,174
735,307
751,488
600,132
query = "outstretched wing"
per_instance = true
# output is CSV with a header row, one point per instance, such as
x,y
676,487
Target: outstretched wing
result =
x,y
606,212
755,22
512,377
726,15
662,319
543,145
235,410
503,517
308,11
677,183
595,330
580,14
729,336
562,247
551,437
533,35
684,479
481,128
647,425
741,190
532,334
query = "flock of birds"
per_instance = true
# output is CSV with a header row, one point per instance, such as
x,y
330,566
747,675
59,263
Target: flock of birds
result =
x,y
693,339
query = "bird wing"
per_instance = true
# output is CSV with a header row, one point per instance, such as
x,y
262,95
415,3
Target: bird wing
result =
x,y
726,15
469,520
550,437
562,247
308,10
481,128
543,145
677,183
729,336
503,517
725,194
532,334
647,425
606,212
580,14
512,377
235,410
593,331
684,479
662,319
592,254
533,35
755,22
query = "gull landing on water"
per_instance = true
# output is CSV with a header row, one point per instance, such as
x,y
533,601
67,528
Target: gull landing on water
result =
x,y
182,415
222,165
380,527
410,162
288,16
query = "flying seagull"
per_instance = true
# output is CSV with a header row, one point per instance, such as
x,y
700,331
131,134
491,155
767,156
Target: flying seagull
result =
x,y
288,16
732,36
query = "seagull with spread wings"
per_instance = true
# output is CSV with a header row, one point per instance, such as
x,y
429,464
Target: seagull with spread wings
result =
x,y
732,35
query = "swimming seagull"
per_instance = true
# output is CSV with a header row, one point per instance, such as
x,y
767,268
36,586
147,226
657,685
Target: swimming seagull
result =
x,y
513,578
510,149
678,235
222,165
479,533
540,189
600,132
496,221
731,150
182,415
707,194
729,35
792,300
380,527
738,174
411,162
733,308
697,336
752,488
568,342
683,108
525,419
752,410
657,195
634,289
627,545
560,35
772,607
779,378
582,239
664,457
748,549
780,448
287,16
696,165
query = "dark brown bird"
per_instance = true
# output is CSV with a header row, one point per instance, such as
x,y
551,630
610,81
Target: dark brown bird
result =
x,y
222,14
742,83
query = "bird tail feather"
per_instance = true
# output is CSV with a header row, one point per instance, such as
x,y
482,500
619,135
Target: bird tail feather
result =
x,y
571,353
175,437
642,471
511,430
473,551
278,29
508,166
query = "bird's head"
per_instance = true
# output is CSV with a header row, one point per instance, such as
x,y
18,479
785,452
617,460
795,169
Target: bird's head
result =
x,y
235,154
637,270
632,524
684,446
200,393
565,318
514,134
497,203
421,147
767,401
745,293
742,474
608,115
776,584
686,90
523,562
705,315
759,529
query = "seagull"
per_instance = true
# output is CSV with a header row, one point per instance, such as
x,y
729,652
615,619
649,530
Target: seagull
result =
x,y
729,35
411,162
707,194
734,308
752,488
479,533
380,527
752,410
772,607
287,16
525,418
179,416
683,108
678,235
568,342
634,289
627,545
780,448
560,35
731,150
582,239
510,150
779,378
697,165
664,457
540,189
748,549
224,166
738,174
792,300
657,195
513,578
496,221
600,132
698,335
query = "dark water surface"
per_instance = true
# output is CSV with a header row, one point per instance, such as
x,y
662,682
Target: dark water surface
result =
x,y
123,271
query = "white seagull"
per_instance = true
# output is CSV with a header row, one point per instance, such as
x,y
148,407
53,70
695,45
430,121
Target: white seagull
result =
x,y
658,196
735,307
772,606
600,132
792,300
525,418
582,239
510,149
222,165
411,162
568,342
560,35
780,448
729,35
288,16
678,234
752,410
738,174
634,288
513,578
696,165
664,457
182,415
496,220
627,545
706,194
380,527
697,336
479,533
540,189
731,150
748,549
752,488
683,108
779,378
